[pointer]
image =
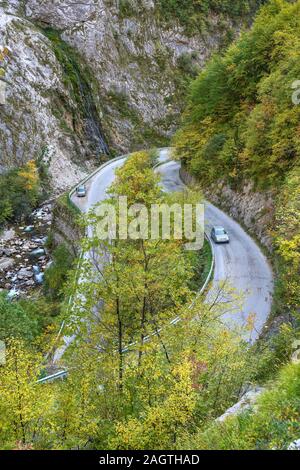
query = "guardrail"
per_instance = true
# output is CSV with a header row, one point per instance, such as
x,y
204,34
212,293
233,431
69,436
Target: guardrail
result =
x,y
63,373
89,177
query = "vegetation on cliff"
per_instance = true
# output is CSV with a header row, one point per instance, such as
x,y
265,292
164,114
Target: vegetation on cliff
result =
x,y
197,15
78,79
242,123
273,426
136,379
240,120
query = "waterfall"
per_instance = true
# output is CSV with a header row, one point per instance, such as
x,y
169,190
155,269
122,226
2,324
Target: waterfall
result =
x,y
92,121
83,93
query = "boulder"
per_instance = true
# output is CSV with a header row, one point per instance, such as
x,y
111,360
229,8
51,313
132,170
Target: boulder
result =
x,y
37,253
6,263
247,402
8,235
29,229
24,273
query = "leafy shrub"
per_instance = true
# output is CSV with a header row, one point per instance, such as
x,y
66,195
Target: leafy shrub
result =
x,y
186,65
19,192
15,321
126,8
56,274
287,238
24,319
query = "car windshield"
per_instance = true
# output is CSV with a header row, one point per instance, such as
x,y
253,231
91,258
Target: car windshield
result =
x,y
220,231
81,188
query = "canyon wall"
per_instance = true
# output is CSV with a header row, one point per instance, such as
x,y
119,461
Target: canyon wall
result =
x,y
88,80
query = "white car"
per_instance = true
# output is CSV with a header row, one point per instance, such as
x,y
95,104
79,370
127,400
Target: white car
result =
x,y
81,191
219,235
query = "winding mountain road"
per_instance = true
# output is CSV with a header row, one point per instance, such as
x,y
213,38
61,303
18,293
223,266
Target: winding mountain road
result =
x,y
239,265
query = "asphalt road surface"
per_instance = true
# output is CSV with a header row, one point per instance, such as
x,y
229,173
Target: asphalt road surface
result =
x,y
242,273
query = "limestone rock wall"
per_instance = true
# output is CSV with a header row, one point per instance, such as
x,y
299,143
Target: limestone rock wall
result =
x,y
137,70
255,210
134,60
38,106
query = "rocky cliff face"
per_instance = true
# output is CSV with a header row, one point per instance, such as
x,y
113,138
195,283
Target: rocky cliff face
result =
x,y
37,119
254,209
79,70
136,63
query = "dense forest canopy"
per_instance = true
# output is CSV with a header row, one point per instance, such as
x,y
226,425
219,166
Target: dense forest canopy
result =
x,y
240,119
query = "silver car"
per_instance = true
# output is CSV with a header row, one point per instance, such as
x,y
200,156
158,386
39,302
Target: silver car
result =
x,y
81,191
219,235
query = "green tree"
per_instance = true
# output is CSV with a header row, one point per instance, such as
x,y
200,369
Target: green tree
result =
x,y
24,405
16,321
274,424
134,293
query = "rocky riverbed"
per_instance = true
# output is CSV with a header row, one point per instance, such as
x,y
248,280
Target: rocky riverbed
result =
x,y
23,254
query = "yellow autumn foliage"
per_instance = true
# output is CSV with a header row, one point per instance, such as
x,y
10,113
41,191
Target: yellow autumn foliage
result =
x,y
29,177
